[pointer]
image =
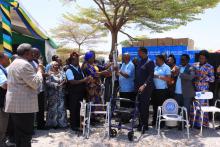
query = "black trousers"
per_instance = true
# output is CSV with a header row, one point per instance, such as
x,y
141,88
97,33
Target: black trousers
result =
x,y
74,107
40,114
158,97
23,126
10,130
144,103
130,96
108,89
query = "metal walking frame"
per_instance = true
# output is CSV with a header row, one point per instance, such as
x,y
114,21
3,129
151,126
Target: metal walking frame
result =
x,y
115,110
86,112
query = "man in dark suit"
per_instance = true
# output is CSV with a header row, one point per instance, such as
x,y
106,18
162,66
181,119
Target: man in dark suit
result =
x,y
184,90
144,85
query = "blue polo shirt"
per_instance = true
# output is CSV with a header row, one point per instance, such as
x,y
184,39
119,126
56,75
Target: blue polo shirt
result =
x,y
69,73
178,89
3,73
163,70
127,84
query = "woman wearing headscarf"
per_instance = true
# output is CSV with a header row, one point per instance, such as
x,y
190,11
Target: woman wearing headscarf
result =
x,y
56,116
90,68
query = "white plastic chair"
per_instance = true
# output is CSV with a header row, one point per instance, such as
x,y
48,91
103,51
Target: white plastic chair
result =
x,y
170,111
205,109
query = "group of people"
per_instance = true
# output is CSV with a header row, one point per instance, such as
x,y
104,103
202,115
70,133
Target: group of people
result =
x,y
156,82
26,85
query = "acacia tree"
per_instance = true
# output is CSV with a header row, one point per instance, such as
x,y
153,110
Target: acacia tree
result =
x,y
77,33
129,42
156,15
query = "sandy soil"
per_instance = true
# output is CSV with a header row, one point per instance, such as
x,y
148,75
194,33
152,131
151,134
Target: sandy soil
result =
x,y
168,138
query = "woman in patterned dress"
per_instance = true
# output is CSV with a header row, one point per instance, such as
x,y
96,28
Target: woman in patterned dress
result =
x,y
56,116
90,68
204,76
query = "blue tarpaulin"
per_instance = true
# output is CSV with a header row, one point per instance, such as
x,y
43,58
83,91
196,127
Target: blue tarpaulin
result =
x,y
153,51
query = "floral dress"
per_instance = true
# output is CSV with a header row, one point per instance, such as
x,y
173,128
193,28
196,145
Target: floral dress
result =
x,y
56,116
205,76
94,87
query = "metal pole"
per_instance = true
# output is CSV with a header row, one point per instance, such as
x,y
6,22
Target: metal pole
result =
x,y
115,56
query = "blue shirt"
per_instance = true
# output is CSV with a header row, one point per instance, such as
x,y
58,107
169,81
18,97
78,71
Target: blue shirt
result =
x,y
3,78
47,68
69,73
163,70
127,84
178,89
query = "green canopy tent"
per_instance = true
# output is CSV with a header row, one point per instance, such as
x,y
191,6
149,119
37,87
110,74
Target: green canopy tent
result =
x,y
23,28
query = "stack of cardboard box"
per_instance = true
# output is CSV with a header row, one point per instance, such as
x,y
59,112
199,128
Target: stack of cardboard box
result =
x,y
166,42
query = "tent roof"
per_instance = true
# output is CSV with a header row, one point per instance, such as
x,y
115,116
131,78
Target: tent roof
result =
x,y
19,26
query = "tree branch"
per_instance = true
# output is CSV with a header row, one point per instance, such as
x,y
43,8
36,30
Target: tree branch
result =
x,y
102,7
129,36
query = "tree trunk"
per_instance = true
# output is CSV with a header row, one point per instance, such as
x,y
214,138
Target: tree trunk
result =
x,y
79,48
114,39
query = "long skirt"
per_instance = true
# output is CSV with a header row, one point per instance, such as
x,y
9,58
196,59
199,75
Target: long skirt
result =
x,y
198,118
56,116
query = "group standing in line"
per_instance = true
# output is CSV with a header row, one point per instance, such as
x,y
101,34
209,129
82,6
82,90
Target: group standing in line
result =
x,y
27,85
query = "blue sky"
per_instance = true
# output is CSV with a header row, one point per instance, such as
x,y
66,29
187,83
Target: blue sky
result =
x,y
205,32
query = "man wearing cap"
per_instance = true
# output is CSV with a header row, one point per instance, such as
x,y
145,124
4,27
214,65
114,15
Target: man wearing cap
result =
x,y
76,85
144,85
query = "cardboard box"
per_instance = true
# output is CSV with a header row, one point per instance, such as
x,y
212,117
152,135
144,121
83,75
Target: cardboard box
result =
x,y
151,42
184,41
140,43
134,43
165,41
147,42
191,44
175,42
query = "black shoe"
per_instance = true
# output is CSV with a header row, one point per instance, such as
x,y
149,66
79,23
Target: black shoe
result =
x,y
142,129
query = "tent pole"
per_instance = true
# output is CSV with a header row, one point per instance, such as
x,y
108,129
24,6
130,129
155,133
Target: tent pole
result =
x,y
6,26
